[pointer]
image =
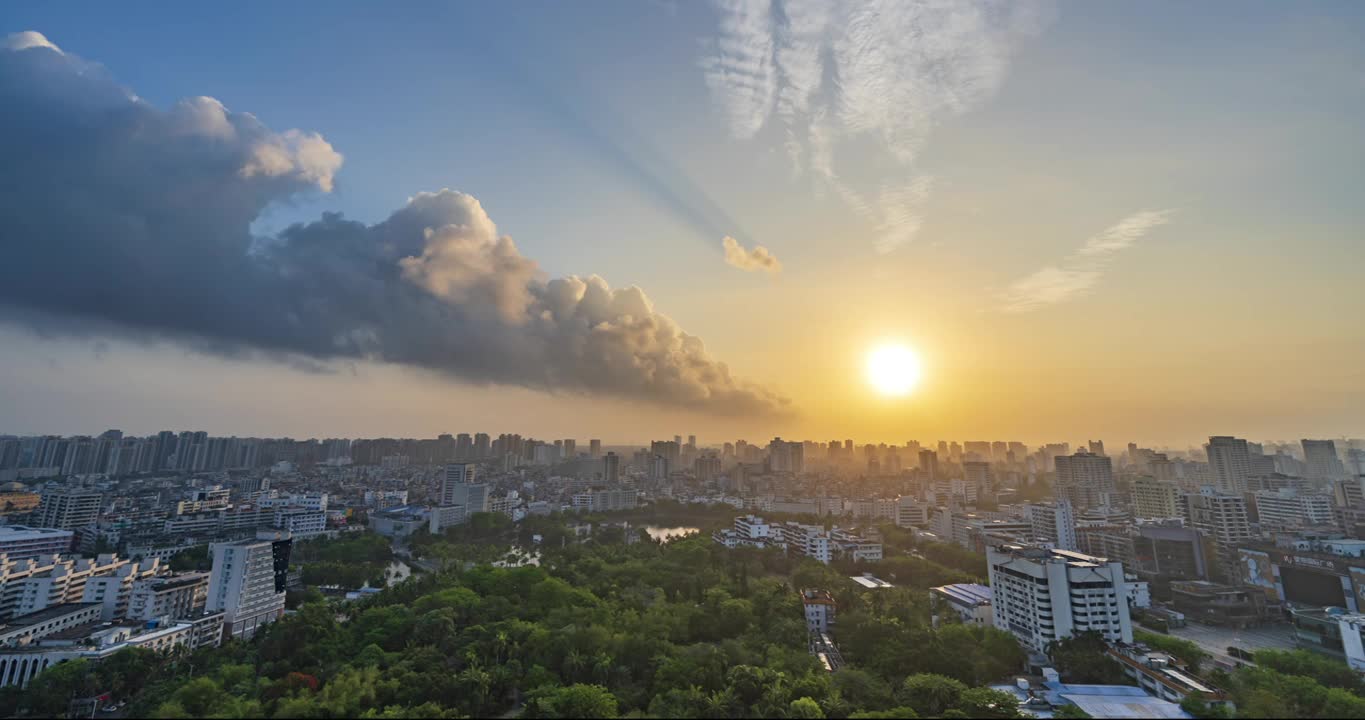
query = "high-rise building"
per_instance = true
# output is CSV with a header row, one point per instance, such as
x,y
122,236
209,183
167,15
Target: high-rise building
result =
x,y
928,465
1321,458
1229,462
247,582
1222,517
458,488
1086,479
977,450
464,447
1054,523
1155,499
1355,462
570,449
978,475
1042,595
669,451
594,448
786,456
658,467
481,446
455,475
68,509
707,468
611,468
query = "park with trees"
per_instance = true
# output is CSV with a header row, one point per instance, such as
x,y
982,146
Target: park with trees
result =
x,y
615,626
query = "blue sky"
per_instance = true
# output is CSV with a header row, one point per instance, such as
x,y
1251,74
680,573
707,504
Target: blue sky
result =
x,y
590,134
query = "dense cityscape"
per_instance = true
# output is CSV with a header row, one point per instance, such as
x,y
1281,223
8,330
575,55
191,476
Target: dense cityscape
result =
x,y
1182,568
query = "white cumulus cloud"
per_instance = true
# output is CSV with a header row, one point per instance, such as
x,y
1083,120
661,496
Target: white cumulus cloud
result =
x,y
757,260
25,40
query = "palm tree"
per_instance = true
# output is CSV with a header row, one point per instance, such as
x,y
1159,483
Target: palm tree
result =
x,y
719,704
479,681
500,644
574,664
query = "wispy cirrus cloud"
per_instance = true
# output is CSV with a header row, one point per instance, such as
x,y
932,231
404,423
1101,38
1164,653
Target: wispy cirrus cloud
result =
x,y
831,73
1078,272
757,260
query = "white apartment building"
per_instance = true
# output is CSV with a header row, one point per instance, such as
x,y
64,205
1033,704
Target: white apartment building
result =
x,y
809,540
855,547
605,500
911,513
79,638
1043,595
67,509
752,527
310,501
301,522
820,610
444,517
174,596
1289,508
813,541
1155,499
31,584
1054,523
381,499
247,582
111,591
19,541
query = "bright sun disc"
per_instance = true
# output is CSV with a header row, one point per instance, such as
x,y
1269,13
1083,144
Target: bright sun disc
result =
x,y
893,369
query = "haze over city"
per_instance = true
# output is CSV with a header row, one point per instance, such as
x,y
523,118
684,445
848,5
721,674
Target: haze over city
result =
x,y
1079,221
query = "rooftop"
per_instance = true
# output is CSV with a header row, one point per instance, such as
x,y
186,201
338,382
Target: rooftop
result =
x,y
7,531
965,593
47,613
1100,701
817,597
870,582
170,582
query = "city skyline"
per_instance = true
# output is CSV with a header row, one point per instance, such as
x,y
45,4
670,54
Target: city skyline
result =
x,y
1136,252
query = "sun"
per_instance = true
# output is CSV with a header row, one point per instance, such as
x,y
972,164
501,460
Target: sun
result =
x,y
893,369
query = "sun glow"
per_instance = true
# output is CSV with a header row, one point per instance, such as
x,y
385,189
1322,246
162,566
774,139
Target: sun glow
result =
x,y
893,369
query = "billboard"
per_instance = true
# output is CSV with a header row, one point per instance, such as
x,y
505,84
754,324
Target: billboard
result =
x,y
1258,570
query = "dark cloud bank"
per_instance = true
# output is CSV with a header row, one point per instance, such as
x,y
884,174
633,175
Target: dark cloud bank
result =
x,y
117,214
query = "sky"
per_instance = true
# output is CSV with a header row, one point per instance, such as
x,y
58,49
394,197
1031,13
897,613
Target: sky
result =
x,y
633,220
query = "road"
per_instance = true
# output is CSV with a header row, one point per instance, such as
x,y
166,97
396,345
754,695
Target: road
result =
x,y
1215,640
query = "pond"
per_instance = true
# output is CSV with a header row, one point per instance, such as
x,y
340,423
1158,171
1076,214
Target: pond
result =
x,y
664,534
